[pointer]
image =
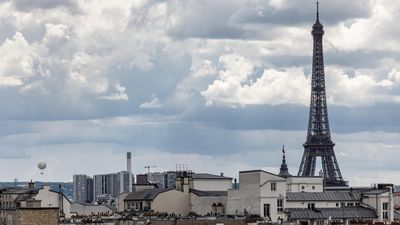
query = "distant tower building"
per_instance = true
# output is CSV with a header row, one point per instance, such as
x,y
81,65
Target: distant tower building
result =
x,y
141,179
129,169
83,188
109,186
163,180
284,171
319,143
89,189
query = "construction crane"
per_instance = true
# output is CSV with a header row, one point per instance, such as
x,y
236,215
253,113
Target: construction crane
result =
x,y
148,168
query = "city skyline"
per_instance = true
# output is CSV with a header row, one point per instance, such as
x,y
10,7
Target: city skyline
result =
x,y
83,83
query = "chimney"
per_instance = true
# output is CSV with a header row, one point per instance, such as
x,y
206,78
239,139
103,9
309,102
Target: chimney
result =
x,y
129,169
31,185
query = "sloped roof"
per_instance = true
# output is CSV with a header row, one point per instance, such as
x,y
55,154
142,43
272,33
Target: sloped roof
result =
x,y
323,196
396,215
375,191
334,213
208,193
21,191
149,194
208,176
110,207
262,171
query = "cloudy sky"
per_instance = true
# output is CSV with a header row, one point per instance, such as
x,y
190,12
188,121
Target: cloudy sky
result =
x,y
218,85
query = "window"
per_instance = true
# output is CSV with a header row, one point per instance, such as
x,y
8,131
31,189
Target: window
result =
x,y
350,204
385,206
337,204
313,187
267,210
302,187
311,206
273,186
358,204
342,204
279,205
385,215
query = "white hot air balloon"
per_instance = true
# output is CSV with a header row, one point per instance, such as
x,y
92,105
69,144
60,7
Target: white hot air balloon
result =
x,y
41,166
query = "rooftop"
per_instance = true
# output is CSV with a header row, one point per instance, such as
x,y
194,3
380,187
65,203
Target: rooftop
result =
x,y
323,196
149,194
208,176
208,193
334,213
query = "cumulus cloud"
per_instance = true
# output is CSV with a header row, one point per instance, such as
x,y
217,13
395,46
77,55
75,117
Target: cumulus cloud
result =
x,y
26,5
235,85
20,61
152,104
119,95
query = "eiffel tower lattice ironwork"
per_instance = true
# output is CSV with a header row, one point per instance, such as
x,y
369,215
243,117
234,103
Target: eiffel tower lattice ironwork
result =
x,y
319,142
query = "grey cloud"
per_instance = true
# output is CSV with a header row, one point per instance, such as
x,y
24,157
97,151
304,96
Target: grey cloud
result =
x,y
360,59
28,5
303,11
382,117
208,19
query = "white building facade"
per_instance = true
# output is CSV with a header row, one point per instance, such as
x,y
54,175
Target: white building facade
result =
x,y
303,200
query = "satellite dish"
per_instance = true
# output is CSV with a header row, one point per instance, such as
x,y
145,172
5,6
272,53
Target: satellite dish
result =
x,y
41,166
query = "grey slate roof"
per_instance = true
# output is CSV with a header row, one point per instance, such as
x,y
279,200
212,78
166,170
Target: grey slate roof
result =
x,y
208,193
149,194
334,213
375,191
323,196
396,215
208,176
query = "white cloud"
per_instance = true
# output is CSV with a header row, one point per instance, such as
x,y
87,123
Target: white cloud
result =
x,y
119,95
19,61
360,89
154,103
235,86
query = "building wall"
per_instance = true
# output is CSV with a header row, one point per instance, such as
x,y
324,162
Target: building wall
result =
x,y
305,184
212,184
37,216
377,201
119,202
247,198
203,205
272,188
52,199
172,201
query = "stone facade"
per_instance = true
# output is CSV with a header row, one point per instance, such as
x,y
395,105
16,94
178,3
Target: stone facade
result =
x,y
37,216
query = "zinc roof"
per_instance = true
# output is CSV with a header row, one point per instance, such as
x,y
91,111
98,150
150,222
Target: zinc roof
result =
x,y
208,193
208,176
149,194
334,213
323,196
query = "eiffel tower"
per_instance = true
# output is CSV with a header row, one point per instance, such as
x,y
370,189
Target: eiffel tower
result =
x,y
319,142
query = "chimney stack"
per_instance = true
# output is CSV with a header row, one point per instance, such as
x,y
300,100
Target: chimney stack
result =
x,y
31,185
129,169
